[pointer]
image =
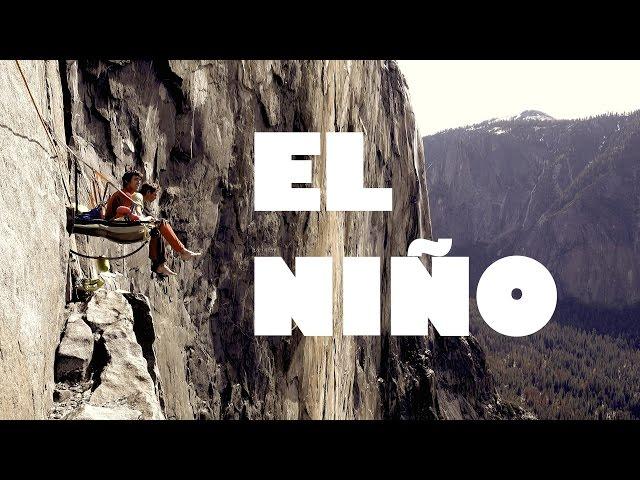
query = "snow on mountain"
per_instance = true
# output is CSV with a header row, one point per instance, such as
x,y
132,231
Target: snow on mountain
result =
x,y
533,115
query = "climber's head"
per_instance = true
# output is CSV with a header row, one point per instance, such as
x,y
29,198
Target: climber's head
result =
x,y
149,192
131,180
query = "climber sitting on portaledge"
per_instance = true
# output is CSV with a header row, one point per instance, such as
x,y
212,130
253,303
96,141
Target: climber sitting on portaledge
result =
x,y
131,181
121,205
157,254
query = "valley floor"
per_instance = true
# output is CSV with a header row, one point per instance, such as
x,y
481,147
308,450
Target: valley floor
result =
x,y
562,372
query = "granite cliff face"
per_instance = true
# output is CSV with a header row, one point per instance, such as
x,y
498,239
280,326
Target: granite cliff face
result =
x,y
189,125
33,241
563,192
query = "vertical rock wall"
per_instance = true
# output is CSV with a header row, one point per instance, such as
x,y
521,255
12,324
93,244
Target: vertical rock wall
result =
x,y
189,125
33,243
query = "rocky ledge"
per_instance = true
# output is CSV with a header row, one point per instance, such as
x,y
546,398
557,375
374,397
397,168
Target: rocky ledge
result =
x,y
105,367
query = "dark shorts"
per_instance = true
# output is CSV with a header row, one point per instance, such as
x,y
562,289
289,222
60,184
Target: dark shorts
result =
x,y
157,252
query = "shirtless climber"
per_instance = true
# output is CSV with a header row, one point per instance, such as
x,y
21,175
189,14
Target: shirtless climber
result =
x,y
121,204
131,181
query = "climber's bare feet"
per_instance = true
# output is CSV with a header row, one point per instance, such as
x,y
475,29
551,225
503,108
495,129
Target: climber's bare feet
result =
x,y
164,270
189,255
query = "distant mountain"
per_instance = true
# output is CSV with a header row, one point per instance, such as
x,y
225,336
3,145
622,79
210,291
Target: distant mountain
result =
x,y
534,115
565,192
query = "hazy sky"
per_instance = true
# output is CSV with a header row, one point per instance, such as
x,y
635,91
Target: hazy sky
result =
x,y
446,94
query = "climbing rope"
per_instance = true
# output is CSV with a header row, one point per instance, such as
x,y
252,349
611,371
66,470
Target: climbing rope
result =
x,y
54,145
36,107
52,142
100,175
110,258
66,190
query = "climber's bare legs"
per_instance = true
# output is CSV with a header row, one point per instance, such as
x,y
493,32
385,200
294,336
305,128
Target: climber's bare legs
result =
x,y
149,193
163,269
187,255
168,233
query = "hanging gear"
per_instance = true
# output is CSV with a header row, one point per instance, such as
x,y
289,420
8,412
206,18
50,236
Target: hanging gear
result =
x,y
88,223
103,265
92,284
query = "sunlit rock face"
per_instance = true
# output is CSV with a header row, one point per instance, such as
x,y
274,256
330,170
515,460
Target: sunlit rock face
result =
x,y
189,126
33,243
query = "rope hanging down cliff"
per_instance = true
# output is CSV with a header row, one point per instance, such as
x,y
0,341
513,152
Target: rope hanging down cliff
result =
x,y
99,228
52,142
